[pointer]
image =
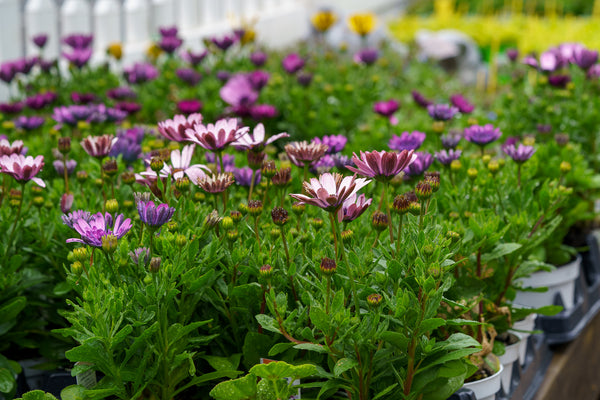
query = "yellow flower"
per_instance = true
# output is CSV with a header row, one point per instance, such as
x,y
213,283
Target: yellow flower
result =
x,y
248,37
323,20
153,51
362,24
115,50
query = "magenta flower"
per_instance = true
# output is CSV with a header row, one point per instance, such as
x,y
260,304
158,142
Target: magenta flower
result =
x,y
258,58
78,57
188,75
59,167
387,109
71,218
98,146
168,31
189,106
175,129
22,168
66,202
11,108
441,112
407,141
512,54
366,56
243,176
194,58
447,156
140,73
154,215
559,81
585,58
420,99
382,165
336,143
330,191
40,40
98,226
519,154
121,93
255,141
239,92
224,42
263,111
258,79
304,153
216,137
170,43
422,162
181,164
7,148
353,208
78,41
450,141
29,123
462,104
482,135
292,63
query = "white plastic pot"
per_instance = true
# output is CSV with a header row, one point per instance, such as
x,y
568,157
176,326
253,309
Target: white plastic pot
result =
x,y
508,359
486,389
522,329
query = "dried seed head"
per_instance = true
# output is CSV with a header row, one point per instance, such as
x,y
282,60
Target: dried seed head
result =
x,y
154,265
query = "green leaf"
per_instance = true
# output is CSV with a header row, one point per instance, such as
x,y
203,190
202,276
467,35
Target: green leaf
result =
x,y
281,370
397,339
7,380
431,324
312,347
220,363
73,392
279,348
319,319
256,345
267,323
500,250
12,308
385,391
37,395
61,288
343,365
237,389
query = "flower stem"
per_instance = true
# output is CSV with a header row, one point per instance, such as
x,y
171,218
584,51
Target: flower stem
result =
x,y
66,175
12,230
387,207
349,269
287,258
399,235
252,185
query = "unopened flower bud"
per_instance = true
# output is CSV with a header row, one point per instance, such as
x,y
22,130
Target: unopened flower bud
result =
x,y
182,184
565,167
454,236
172,225
374,299
14,203
38,201
428,249
198,197
128,178
328,266
181,241
80,254
255,207
112,206
414,208
379,221
98,182
493,167
298,208
154,265
81,176
423,190
274,233
282,177
268,169
486,158
455,165
233,235
401,204
256,159
528,140
316,223
454,215
347,235
438,126
280,216
266,271
243,208
127,204
227,223
110,167
235,215
109,243
76,268
212,219
472,173
36,189
561,139
156,164
64,145
83,125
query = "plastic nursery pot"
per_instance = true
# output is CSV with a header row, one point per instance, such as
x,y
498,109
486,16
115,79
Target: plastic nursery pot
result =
x,y
560,281
508,359
523,328
486,389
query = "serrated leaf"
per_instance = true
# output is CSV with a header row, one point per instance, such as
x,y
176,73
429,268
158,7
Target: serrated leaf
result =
x,y
343,365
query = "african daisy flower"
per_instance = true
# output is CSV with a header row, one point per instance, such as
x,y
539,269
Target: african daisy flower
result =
x,y
22,168
304,153
353,208
518,154
7,148
382,165
93,230
407,141
330,191
482,135
216,137
216,183
154,215
255,141
175,129
181,165
98,146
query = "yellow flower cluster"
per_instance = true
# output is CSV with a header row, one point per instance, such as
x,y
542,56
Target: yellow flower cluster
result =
x,y
526,32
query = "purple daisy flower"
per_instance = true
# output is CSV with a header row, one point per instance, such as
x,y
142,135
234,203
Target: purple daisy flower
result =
x,y
292,63
482,135
40,40
170,43
140,73
29,123
462,104
59,166
154,215
194,58
518,154
366,56
420,99
441,112
421,163
188,75
336,143
263,111
258,79
447,156
78,57
98,226
407,141
258,58
450,141
243,176
224,42
71,218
